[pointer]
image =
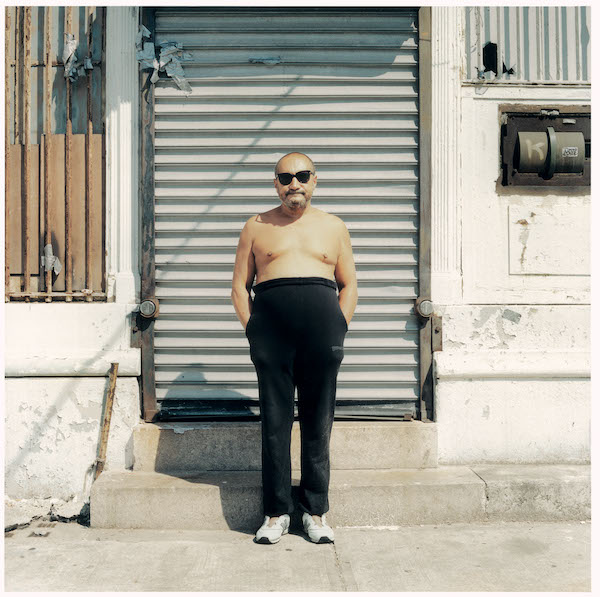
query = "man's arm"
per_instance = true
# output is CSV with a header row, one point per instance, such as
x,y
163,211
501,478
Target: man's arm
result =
x,y
244,271
345,274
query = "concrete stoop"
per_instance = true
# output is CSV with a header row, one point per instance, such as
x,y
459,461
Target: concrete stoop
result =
x,y
229,446
221,500
206,476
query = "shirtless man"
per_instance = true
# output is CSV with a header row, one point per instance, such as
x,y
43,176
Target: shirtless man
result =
x,y
296,327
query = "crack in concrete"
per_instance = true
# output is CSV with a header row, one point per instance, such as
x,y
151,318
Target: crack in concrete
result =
x,y
485,485
23,525
345,571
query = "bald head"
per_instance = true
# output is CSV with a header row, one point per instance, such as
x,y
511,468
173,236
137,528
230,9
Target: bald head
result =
x,y
295,154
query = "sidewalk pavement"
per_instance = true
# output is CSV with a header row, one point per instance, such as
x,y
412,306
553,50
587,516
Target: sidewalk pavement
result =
x,y
492,556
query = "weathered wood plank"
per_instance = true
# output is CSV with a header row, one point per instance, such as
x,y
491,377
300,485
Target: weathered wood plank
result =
x,y
13,212
17,72
47,274
56,209
7,40
34,193
89,171
97,218
56,206
77,211
25,141
18,219
68,265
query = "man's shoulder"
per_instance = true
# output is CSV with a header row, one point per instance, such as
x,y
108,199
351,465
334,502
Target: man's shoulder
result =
x,y
262,217
255,219
330,219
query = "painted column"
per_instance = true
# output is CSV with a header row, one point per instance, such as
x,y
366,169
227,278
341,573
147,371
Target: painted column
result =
x,y
122,153
446,48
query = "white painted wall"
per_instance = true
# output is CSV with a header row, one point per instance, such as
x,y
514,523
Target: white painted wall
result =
x,y
512,381
58,355
516,420
69,339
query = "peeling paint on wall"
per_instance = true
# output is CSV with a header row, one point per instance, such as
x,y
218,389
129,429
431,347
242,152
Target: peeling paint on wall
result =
x,y
472,328
53,431
484,314
511,315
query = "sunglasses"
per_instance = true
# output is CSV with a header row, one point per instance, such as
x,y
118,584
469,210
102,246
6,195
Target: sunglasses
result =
x,y
286,178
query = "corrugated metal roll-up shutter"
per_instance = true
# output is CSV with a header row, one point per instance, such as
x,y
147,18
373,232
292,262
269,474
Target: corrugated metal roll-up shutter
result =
x,y
338,85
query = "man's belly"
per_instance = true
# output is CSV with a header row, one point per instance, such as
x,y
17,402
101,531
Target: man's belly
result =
x,y
295,268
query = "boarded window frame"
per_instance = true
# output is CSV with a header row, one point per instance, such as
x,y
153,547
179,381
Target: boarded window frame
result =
x,y
55,182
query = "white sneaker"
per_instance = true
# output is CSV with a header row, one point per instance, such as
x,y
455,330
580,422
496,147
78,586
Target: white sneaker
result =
x,y
316,533
272,534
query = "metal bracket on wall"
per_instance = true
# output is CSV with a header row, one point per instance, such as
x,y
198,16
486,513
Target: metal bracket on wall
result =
x,y
430,340
436,333
136,335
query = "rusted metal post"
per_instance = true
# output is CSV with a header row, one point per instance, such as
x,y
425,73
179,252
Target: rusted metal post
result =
x,y
46,138
68,145
7,32
25,148
88,167
101,460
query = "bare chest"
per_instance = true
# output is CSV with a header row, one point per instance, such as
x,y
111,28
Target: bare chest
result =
x,y
316,242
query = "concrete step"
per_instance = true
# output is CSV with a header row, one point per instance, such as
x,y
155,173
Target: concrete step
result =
x,y
227,446
447,494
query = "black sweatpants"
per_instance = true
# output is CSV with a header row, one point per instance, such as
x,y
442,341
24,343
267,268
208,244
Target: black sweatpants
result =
x,y
296,333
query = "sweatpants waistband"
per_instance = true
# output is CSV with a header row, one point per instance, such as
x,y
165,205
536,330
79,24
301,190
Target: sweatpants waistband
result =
x,y
298,281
